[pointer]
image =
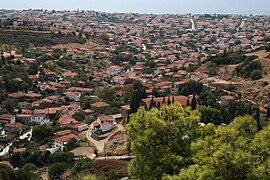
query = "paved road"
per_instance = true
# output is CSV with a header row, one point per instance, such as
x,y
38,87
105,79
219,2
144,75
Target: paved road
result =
x,y
117,157
192,24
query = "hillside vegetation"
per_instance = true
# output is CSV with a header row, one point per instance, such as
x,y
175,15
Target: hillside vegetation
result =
x,y
38,38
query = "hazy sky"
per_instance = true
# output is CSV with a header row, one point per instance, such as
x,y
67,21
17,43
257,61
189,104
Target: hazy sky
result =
x,y
147,6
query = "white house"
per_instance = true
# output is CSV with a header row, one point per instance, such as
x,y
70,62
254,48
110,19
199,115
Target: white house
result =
x,y
117,79
33,118
9,118
73,95
39,119
60,142
104,123
114,70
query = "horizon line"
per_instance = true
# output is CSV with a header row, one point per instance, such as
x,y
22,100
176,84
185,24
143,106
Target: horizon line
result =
x,y
127,12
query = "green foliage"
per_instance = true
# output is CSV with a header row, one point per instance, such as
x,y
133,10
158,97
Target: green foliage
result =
x,y
42,133
192,87
228,58
79,116
71,144
29,167
210,115
24,38
161,140
193,103
236,151
33,69
81,165
249,69
19,159
57,169
66,157
107,94
139,93
6,172
256,74
113,110
10,105
109,169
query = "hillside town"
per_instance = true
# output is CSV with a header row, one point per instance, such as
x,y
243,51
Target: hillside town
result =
x,y
79,98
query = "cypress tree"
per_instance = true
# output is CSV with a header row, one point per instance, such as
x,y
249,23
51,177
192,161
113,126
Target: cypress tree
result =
x,y
193,103
163,101
257,118
169,101
268,112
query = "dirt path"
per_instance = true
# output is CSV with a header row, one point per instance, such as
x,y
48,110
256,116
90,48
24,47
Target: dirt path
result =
x,y
101,143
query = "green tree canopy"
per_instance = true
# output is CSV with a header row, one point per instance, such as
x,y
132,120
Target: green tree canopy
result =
x,y
160,140
235,151
42,133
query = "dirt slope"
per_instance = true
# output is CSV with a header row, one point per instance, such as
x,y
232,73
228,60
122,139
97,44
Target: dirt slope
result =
x,y
258,90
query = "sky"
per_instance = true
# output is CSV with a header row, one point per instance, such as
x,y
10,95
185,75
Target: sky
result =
x,y
147,6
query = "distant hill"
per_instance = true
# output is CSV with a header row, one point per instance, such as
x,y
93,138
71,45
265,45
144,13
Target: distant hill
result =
x,y
257,90
22,38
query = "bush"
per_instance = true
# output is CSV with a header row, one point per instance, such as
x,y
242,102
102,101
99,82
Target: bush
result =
x,y
57,169
256,74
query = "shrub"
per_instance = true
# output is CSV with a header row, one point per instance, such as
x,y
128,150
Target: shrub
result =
x,y
256,74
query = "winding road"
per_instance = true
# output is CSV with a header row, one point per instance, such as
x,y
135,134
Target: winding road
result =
x,y
101,143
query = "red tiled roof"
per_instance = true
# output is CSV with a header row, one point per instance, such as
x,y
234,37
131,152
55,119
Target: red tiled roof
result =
x,y
88,111
17,125
66,138
180,99
99,104
227,98
7,163
105,117
19,150
127,107
67,120
62,133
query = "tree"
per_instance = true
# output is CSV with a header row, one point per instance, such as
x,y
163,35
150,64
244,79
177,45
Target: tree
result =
x,y
33,69
81,165
107,94
71,144
61,157
225,152
57,169
79,116
139,93
42,133
161,140
193,103
268,111
210,115
6,173
257,117
256,74
10,104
